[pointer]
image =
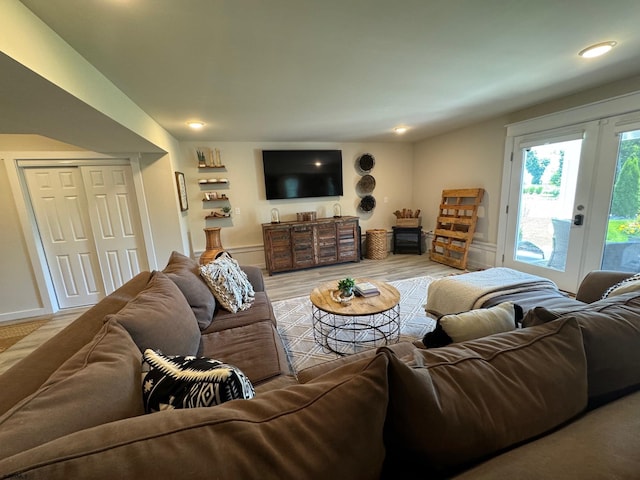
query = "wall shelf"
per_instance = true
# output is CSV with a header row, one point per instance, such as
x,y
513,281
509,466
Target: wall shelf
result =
x,y
213,181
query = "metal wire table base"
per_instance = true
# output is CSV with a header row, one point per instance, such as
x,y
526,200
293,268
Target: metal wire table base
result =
x,y
345,335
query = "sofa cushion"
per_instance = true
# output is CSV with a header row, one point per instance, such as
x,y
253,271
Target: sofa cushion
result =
x,y
259,311
160,318
611,333
331,428
188,382
603,444
256,349
99,384
473,324
228,282
544,314
185,273
458,404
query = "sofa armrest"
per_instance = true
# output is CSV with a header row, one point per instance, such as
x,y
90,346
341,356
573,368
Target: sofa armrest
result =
x,y
597,282
255,277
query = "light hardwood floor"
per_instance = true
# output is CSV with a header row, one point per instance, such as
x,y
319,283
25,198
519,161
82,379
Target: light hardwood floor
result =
x,y
279,286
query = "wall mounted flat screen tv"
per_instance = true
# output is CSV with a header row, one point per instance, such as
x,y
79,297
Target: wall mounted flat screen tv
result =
x,y
302,173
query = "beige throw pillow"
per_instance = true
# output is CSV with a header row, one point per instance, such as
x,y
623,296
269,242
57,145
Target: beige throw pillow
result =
x,y
479,323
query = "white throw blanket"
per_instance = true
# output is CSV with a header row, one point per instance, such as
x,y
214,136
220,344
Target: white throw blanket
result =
x,y
460,293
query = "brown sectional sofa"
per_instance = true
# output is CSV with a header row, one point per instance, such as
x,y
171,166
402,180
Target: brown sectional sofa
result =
x,y
558,399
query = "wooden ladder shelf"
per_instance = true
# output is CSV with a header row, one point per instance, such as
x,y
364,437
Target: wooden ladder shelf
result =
x,y
455,226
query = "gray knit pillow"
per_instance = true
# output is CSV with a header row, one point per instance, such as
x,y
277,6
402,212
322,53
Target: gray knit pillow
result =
x,y
229,283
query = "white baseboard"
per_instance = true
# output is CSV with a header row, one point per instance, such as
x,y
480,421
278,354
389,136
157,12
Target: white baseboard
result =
x,y
482,255
246,255
22,314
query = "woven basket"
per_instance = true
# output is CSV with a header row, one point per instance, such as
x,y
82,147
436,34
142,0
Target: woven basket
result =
x,y
376,244
409,222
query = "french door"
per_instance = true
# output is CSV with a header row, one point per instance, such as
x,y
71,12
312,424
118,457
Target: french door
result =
x,y
619,168
549,202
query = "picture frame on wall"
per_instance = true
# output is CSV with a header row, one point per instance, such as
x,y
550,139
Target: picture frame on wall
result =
x,y
182,191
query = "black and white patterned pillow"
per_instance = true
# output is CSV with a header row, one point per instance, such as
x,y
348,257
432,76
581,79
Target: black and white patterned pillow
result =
x,y
627,285
173,382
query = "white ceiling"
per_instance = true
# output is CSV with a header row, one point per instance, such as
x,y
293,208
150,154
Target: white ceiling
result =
x,y
343,70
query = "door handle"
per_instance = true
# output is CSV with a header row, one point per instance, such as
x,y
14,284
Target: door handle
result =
x,y
578,219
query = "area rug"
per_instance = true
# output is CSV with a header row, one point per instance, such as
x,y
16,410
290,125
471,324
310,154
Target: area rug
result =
x,y
12,334
296,329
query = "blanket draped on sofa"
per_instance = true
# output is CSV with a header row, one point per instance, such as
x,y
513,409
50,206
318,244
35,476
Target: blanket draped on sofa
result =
x,y
460,293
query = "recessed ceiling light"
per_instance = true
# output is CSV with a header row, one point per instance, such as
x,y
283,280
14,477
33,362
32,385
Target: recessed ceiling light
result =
x,y
400,130
597,49
196,125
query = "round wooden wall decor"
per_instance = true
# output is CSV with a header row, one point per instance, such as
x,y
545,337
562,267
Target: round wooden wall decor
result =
x,y
365,185
366,162
367,203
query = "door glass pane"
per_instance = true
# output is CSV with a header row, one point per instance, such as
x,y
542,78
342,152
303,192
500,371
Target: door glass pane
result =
x,y
622,246
548,187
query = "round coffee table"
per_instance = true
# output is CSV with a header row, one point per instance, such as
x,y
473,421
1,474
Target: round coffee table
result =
x,y
364,322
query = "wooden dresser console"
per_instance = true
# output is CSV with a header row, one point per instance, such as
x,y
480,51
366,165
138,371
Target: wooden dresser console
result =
x,y
295,245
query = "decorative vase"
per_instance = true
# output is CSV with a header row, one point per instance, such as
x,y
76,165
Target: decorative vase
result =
x,y
214,245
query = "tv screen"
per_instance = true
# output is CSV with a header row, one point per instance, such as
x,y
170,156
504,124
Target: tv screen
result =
x,y
302,173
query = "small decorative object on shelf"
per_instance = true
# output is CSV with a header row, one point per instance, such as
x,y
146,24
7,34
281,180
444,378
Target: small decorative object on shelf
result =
x,y
224,212
202,161
204,181
275,215
218,159
210,196
337,210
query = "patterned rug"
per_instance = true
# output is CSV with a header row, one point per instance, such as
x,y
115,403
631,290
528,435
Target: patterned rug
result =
x,y
295,327
12,334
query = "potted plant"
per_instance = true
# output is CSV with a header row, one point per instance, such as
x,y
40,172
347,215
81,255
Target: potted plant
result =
x,y
226,210
346,286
